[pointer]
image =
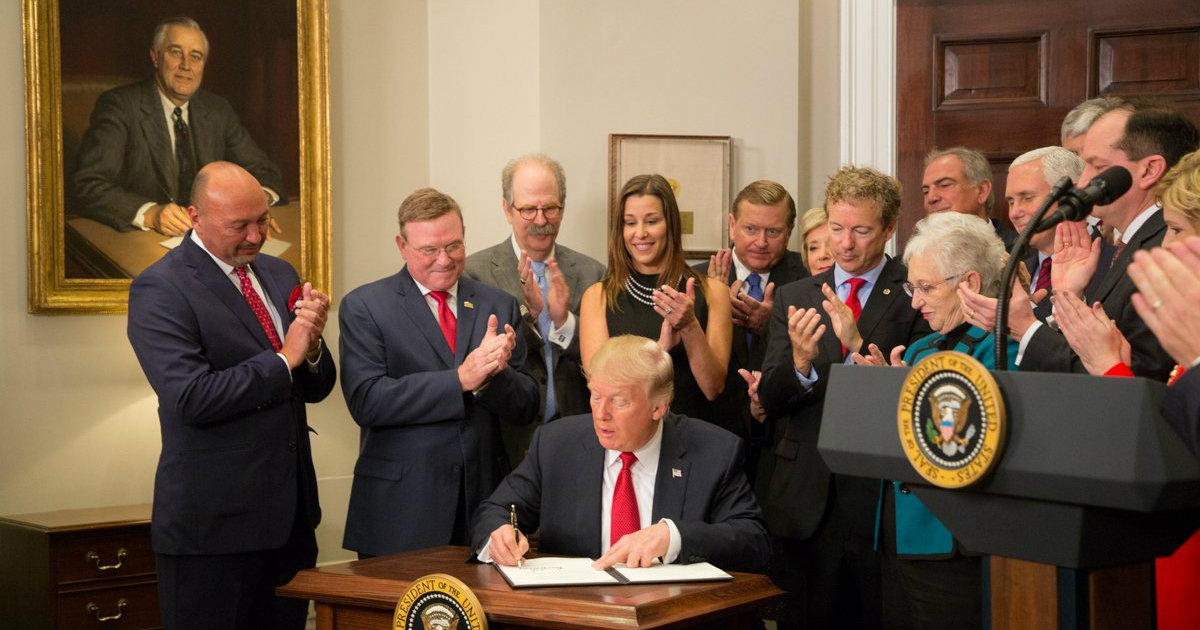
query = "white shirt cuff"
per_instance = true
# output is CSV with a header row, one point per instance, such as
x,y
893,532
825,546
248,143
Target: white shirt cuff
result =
x,y
272,194
1025,340
139,219
807,380
484,554
676,542
562,337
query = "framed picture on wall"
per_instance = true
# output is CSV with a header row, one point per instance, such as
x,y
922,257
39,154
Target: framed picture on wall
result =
x,y
699,170
108,174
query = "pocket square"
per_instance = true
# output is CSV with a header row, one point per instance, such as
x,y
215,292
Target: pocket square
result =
x,y
295,295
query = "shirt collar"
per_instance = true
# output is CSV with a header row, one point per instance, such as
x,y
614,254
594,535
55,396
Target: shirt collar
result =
x,y
226,268
741,271
169,107
512,238
871,275
647,455
1137,222
453,290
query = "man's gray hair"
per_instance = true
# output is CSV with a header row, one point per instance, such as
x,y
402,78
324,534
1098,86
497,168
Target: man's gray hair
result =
x,y
506,175
160,31
1082,116
957,243
974,164
1057,163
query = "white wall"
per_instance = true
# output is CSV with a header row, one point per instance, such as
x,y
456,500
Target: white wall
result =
x,y
424,92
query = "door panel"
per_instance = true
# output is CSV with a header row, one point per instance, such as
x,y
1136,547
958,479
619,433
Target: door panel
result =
x,y
999,75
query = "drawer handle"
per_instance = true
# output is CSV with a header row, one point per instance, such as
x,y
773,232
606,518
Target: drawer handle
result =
x,y
92,556
95,610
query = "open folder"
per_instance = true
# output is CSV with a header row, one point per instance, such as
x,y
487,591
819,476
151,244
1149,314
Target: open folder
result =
x,y
579,572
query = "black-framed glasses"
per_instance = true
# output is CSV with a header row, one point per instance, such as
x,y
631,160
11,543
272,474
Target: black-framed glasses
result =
x,y
530,212
925,287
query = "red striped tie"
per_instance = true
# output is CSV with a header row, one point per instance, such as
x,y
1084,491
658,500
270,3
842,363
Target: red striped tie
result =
x,y
1043,281
624,517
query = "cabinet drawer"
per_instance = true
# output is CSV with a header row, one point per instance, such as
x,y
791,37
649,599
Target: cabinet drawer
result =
x,y
84,609
103,556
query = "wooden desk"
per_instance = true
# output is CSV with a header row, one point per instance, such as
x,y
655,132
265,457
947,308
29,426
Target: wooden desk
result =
x,y
363,595
89,568
100,251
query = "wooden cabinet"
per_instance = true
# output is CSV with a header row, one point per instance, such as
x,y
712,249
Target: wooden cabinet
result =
x,y
90,568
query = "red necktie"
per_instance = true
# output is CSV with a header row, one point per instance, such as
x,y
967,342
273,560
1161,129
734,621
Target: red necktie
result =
x,y
446,320
1044,274
260,309
852,300
624,516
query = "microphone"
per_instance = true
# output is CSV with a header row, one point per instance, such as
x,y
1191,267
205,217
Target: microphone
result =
x,y
1076,204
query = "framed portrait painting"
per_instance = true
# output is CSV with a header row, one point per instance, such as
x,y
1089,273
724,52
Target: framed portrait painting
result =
x,y
108,174
698,169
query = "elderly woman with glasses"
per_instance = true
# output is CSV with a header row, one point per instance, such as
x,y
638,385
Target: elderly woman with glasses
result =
x,y
924,566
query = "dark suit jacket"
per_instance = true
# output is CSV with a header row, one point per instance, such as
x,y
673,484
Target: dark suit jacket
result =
x,y
1042,310
423,438
1181,408
1048,350
234,436
497,266
793,480
733,405
557,491
126,158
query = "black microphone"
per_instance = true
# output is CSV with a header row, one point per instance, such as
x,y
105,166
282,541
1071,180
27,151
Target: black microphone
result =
x,y
1076,204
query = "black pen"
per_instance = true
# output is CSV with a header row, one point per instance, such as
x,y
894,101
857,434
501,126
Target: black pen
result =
x,y
512,520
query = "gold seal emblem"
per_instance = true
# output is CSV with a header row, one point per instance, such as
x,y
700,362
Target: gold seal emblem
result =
x,y
439,602
951,419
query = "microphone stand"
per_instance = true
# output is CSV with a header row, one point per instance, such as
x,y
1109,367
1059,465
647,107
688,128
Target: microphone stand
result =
x,y
1014,259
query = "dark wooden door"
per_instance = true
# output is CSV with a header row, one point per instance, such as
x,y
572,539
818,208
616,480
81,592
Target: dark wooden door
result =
x,y
999,75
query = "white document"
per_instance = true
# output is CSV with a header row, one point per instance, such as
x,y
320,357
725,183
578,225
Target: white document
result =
x,y
555,572
695,572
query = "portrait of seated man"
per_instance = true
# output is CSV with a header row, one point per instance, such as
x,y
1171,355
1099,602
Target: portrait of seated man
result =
x,y
146,141
630,482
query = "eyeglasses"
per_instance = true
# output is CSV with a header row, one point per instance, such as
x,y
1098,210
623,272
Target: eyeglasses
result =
x,y
528,213
753,231
451,249
924,287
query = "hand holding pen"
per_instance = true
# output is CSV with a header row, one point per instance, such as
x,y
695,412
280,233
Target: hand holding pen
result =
x,y
506,545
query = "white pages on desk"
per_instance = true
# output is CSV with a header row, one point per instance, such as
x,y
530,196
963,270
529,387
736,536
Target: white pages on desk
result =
x,y
579,572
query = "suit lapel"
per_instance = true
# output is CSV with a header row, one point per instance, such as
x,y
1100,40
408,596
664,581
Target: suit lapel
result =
x,y
829,346
886,291
209,274
589,488
158,140
504,269
277,294
670,482
1148,235
468,317
422,317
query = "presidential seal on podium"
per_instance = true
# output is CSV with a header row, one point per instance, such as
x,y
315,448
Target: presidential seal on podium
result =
x,y
951,419
439,602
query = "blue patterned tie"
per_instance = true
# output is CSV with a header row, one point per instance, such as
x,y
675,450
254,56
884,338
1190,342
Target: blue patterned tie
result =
x,y
543,321
754,290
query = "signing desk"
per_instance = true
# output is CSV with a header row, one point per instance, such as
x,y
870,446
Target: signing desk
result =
x,y
363,594
99,251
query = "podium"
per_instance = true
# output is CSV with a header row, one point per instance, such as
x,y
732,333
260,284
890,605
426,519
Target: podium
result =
x,y
1091,487
363,595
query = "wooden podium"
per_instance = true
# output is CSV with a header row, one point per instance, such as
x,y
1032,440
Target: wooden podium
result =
x,y
363,594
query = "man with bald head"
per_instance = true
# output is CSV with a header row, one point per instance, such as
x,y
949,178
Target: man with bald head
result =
x,y
548,280
230,341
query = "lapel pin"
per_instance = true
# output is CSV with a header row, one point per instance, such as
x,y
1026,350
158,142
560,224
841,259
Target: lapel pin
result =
x,y
676,473
887,291
467,304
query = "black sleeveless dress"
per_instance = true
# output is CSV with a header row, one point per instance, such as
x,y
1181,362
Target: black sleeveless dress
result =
x,y
632,317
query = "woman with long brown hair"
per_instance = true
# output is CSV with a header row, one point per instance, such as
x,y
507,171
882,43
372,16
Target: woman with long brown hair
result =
x,y
650,290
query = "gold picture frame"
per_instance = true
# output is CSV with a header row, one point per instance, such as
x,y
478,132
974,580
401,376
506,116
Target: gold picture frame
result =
x,y
50,288
699,169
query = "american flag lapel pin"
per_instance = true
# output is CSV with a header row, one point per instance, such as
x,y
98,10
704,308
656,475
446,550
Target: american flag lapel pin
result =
x,y
676,473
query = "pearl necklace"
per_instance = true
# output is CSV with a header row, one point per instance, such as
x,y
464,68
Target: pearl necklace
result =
x,y
639,291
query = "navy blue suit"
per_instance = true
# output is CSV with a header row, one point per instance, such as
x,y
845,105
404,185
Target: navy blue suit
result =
x,y
236,473
557,489
427,449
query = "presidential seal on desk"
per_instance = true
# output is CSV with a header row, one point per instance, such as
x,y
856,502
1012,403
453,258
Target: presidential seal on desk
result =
x,y
439,602
951,419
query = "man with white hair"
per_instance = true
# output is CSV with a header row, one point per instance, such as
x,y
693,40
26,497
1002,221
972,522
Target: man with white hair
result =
x,y
671,488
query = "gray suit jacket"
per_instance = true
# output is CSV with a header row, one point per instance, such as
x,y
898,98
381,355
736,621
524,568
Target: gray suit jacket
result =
x,y
425,444
126,158
497,266
699,485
